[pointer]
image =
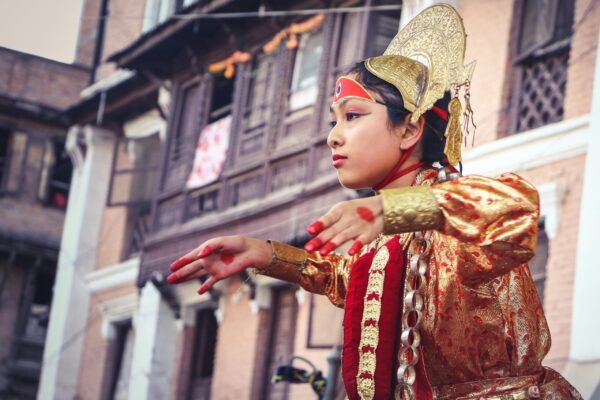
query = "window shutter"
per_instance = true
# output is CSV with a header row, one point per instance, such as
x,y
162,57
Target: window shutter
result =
x,y
183,136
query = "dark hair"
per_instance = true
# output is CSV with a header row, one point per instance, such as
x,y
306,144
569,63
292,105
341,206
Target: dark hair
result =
x,y
433,140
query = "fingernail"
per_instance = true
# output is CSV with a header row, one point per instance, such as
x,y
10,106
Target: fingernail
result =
x,y
315,227
313,244
201,290
205,252
173,278
329,246
175,265
355,248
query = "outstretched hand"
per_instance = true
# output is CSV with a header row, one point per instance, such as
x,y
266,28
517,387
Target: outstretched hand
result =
x,y
220,258
360,220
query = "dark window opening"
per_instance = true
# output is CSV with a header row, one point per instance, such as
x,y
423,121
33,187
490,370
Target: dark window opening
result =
x,y
221,99
121,352
203,359
60,177
537,265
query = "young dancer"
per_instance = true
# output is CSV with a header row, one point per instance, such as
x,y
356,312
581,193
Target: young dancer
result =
x,y
439,301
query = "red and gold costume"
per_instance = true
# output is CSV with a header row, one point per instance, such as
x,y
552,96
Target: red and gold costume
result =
x,y
442,305
483,331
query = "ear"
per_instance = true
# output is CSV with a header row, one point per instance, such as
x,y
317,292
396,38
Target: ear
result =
x,y
411,132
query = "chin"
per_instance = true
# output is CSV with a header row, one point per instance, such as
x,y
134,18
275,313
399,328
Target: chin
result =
x,y
354,183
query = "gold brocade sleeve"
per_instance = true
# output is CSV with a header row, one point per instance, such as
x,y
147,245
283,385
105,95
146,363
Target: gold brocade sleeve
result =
x,y
494,219
327,275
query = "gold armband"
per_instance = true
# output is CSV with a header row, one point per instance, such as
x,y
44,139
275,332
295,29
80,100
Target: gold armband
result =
x,y
287,262
409,209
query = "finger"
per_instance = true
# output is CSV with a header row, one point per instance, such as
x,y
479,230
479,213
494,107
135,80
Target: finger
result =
x,y
207,284
338,240
332,216
327,235
194,275
183,273
315,227
204,250
182,261
355,248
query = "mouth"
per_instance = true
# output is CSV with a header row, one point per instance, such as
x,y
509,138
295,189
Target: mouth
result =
x,y
338,160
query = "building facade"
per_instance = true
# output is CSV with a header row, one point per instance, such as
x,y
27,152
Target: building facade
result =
x,y
212,125
35,173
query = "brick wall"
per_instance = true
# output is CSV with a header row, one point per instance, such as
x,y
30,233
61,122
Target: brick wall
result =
x,y
86,41
236,348
40,80
580,77
96,348
123,26
488,25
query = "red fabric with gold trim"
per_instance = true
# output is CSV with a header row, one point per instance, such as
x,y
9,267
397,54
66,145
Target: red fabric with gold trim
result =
x,y
346,87
391,311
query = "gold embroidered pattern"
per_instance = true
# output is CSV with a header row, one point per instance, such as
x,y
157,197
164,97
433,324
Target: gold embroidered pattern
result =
x,y
369,336
409,209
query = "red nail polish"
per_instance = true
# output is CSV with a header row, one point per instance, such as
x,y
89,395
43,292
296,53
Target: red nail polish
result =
x,y
180,263
329,246
173,278
313,244
355,248
315,227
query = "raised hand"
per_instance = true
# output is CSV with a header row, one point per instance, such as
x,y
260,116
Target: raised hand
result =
x,y
220,258
360,220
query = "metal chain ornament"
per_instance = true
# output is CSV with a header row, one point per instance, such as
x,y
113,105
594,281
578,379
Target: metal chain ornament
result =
x,y
419,250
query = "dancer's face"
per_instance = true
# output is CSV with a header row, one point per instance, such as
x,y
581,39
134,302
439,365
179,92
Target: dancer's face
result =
x,y
370,145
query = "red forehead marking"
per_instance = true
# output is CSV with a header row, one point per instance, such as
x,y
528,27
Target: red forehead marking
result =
x,y
346,87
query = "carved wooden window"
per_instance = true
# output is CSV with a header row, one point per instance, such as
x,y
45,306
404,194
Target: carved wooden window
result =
x,y
382,27
15,161
288,172
537,265
303,88
183,135
203,358
246,188
542,62
169,212
256,110
203,201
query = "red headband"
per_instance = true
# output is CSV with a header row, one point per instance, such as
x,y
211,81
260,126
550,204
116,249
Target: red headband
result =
x,y
346,87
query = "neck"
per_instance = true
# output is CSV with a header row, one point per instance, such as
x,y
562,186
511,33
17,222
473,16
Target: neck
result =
x,y
405,180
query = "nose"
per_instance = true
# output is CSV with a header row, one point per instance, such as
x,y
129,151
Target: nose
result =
x,y
334,139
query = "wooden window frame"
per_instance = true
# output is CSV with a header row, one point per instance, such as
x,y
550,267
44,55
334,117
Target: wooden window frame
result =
x,y
521,58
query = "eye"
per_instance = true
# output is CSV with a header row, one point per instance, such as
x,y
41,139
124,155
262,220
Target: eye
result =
x,y
332,123
352,115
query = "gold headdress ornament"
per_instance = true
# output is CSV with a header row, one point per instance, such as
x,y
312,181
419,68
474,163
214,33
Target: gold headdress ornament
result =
x,y
425,60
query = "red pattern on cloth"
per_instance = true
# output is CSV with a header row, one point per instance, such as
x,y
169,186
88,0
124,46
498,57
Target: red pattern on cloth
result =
x,y
211,152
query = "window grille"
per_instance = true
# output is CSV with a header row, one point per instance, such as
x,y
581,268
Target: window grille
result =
x,y
542,62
